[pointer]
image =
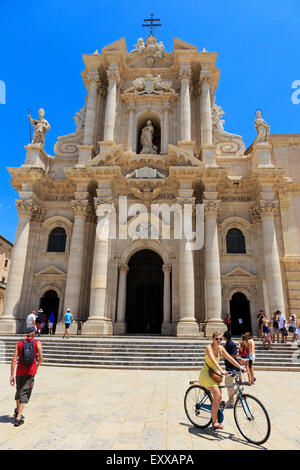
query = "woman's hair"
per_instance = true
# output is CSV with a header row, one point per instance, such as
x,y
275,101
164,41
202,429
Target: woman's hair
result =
x,y
248,335
244,338
216,333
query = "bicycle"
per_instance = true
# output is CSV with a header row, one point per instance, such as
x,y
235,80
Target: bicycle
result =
x,y
250,415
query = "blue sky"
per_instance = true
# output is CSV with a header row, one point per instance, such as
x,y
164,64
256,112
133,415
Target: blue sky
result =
x,y
41,43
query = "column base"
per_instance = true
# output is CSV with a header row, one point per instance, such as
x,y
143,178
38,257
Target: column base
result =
x,y
36,157
187,145
188,328
214,325
166,329
60,329
8,326
120,328
97,327
105,144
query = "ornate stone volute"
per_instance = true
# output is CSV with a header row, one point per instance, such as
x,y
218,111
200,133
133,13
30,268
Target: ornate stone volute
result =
x,y
211,208
113,72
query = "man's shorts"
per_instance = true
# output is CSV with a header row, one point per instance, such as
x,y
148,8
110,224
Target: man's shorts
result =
x,y
67,325
24,386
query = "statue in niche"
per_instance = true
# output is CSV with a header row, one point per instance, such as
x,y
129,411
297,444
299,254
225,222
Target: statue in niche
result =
x,y
147,139
41,126
262,128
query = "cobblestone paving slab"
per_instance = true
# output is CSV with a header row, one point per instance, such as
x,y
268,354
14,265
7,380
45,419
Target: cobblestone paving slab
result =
x,y
106,409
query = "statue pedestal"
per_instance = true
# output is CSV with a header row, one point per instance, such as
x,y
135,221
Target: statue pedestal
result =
x,y
208,155
105,144
86,154
36,157
262,155
187,145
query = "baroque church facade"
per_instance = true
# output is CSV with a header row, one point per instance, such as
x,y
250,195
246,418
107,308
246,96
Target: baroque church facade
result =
x,y
151,135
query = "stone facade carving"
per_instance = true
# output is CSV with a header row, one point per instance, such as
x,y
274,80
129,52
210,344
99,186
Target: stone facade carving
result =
x,y
227,144
68,144
151,48
150,85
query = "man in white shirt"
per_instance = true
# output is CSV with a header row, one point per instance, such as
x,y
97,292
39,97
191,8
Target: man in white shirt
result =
x,y
282,326
31,319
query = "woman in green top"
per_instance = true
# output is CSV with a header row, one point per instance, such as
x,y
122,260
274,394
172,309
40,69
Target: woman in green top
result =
x,y
213,354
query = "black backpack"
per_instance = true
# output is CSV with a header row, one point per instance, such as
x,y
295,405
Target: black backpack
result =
x,y
28,355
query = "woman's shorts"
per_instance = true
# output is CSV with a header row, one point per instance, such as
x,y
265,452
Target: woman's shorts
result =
x,y
251,359
24,386
50,325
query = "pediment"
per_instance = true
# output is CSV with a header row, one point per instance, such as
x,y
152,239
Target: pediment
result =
x,y
50,271
238,271
117,46
180,45
114,156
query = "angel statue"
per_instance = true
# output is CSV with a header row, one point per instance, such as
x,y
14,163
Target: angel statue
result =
x,y
262,128
41,126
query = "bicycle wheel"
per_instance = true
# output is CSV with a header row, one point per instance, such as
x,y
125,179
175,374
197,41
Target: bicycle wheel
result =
x,y
252,419
197,405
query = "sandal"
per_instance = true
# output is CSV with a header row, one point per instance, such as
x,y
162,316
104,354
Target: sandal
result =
x,y
18,422
16,414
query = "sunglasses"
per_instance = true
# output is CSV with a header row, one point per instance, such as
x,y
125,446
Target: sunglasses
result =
x,y
218,339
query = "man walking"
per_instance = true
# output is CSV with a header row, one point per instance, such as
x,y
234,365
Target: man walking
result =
x,y
68,320
26,352
229,379
31,319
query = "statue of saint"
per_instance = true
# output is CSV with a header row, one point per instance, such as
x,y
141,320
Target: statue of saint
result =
x,y
41,126
262,128
147,139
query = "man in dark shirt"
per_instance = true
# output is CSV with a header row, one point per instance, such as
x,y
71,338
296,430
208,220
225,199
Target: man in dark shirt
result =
x,y
229,380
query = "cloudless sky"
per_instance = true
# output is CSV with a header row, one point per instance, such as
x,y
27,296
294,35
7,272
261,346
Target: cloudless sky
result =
x,y
41,43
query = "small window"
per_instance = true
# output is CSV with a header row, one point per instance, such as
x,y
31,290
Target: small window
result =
x,y
6,263
57,240
235,241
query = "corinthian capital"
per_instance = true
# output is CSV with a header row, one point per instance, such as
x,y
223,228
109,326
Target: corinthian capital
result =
x,y
81,208
211,208
30,209
185,71
113,72
93,77
268,208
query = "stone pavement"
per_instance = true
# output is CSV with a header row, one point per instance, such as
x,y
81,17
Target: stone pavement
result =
x,y
73,408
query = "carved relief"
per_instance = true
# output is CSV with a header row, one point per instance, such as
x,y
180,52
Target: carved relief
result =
x,y
227,144
68,144
150,85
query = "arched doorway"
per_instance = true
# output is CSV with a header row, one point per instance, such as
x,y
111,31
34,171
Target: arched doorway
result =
x,y
50,303
144,299
240,314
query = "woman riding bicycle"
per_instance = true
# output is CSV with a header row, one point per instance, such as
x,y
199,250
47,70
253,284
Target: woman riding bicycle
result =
x,y
213,354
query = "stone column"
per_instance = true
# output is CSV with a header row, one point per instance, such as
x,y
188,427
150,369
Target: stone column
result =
x,y
166,326
187,325
267,210
165,134
213,290
205,109
98,322
90,116
76,258
185,103
131,127
111,104
26,210
120,325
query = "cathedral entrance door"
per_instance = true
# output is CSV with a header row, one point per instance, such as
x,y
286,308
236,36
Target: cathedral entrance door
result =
x,y
240,314
50,303
144,299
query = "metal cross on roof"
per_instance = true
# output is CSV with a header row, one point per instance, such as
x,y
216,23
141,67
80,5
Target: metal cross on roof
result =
x,y
151,20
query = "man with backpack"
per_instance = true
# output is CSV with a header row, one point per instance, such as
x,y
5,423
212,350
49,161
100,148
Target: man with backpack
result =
x,y
26,351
